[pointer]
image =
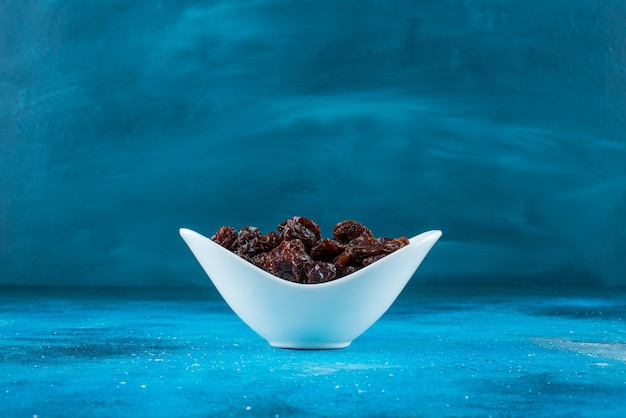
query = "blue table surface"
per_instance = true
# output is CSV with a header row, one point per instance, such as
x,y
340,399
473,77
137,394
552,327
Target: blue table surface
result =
x,y
436,352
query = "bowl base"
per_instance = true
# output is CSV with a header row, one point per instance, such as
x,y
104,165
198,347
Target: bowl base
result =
x,y
310,346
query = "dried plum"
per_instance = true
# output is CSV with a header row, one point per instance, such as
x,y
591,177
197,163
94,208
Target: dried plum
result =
x,y
299,254
369,260
394,244
326,250
288,261
298,227
248,240
364,247
226,236
321,272
346,231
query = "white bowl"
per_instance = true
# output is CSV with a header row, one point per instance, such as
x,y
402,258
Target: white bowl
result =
x,y
309,316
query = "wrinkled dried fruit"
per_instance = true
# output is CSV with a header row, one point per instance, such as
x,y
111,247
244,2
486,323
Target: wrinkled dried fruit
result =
x,y
288,261
299,254
346,231
392,244
369,260
322,272
248,240
326,250
226,236
300,228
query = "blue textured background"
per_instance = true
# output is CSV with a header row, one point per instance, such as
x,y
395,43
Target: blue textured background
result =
x,y
501,123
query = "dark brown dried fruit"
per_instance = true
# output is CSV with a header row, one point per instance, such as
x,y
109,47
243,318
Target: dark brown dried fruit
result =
x,y
326,250
369,260
321,272
394,244
269,241
346,231
363,247
248,240
341,262
349,270
301,228
288,261
299,254
226,236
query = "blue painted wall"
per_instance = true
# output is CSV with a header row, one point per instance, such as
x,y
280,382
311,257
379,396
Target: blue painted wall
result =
x,y
501,123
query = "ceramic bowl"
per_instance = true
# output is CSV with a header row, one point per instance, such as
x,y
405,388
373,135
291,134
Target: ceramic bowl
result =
x,y
309,316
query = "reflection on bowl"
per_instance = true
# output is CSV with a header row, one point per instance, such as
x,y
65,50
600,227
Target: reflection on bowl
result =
x,y
309,316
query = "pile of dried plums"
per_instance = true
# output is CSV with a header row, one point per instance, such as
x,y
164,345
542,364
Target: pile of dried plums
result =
x,y
298,253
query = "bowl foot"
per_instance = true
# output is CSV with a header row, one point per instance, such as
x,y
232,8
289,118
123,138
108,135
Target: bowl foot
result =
x,y
310,345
